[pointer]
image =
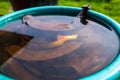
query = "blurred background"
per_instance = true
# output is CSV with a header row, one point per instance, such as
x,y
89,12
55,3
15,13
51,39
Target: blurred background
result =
x,y
110,8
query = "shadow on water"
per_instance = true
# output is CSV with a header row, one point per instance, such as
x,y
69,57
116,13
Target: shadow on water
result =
x,y
11,43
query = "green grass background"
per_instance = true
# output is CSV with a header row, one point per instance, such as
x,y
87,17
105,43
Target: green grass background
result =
x,y
110,8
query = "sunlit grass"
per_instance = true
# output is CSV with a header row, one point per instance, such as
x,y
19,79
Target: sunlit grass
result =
x,y
5,7
111,9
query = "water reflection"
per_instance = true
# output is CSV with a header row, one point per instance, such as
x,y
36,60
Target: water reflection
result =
x,y
76,53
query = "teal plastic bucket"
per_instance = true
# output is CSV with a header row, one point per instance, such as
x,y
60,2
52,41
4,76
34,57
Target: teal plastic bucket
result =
x,y
111,72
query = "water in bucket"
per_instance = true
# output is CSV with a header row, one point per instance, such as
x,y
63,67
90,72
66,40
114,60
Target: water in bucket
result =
x,y
55,48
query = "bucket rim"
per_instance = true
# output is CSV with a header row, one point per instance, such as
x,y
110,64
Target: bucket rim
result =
x,y
110,72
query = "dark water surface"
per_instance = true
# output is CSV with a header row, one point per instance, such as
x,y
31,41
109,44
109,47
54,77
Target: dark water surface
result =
x,y
48,53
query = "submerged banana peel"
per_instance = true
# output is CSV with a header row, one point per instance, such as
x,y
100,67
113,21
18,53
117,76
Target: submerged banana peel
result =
x,y
61,39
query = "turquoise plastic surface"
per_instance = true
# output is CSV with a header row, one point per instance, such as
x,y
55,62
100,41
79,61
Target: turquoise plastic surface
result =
x,y
3,77
110,72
